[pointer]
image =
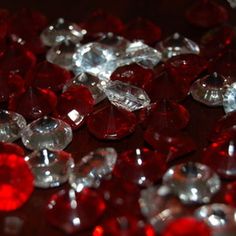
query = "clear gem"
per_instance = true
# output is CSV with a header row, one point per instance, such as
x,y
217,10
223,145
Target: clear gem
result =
x,y
62,54
192,182
229,100
50,168
11,124
92,168
61,30
48,133
209,90
220,217
175,45
126,96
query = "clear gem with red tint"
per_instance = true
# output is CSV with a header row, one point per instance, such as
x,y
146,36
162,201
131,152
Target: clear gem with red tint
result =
x,y
123,225
111,123
192,182
16,182
165,115
230,194
147,166
74,105
206,13
187,226
172,144
142,29
176,44
49,76
34,103
11,148
72,211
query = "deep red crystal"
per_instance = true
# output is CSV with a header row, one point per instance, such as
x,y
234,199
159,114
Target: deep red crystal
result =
x,y
33,103
187,226
230,194
147,166
72,212
16,182
142,29
11,148
112,123
206,13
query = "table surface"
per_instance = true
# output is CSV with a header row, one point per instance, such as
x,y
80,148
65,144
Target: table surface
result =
x,y
169,14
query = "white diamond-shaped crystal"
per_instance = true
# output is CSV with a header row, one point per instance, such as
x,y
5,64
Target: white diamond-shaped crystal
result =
x,y
126,96
176,44
92,168
229,100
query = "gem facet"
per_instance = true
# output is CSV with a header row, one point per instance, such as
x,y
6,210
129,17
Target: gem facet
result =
x,y
229,99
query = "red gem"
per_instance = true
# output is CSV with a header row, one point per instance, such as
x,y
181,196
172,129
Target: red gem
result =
x,y
111,123
34,103
100,21
173,145
16,182
11,148
49,76
187,226
72,212
206,13
140,166
230,194
142,29
74,104
165,115
123,225
134,74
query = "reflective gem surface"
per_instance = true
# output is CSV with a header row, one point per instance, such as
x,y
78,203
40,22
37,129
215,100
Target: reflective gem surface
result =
x,y
50,168
48,133
192,182
229,99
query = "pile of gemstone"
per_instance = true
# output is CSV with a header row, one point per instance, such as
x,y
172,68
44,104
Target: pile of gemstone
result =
x,y
115,78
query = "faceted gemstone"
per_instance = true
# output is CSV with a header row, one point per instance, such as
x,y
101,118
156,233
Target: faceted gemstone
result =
x,y
126,96
31,103
16,182
206,13
219,217
49,76
230,194
147,166
229,98
165,115
134,74
123,225
11,124
172,144
50,168
100,21
111,123
62,54
61,30
72,211
160,206
11,85
176,44
11,148
46,132
187,226
209,89
92,168
142,29
192,182
74,105
91,82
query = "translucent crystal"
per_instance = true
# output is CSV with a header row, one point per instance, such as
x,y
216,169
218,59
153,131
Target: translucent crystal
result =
x,y
11,124
62,54
175,45
92,168
192,182
50,168
220,217
91,82
61,30
126,96
48,133
209,90
160,206
229,100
